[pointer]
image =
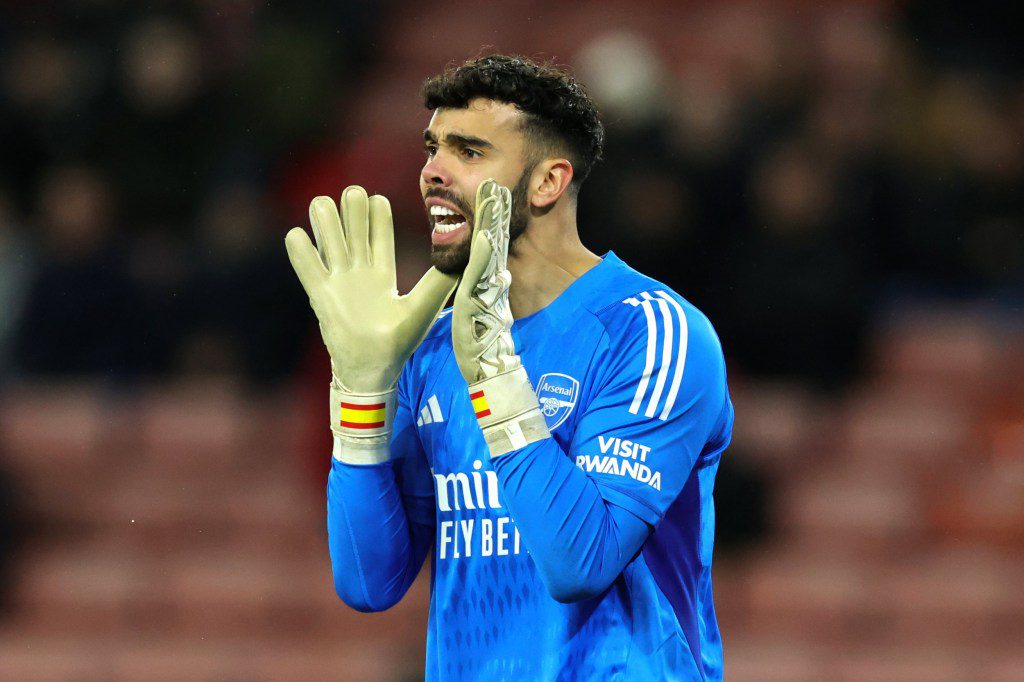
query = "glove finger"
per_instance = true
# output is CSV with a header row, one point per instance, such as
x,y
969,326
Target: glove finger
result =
x,y
485,190
484,213
429,295
304,259
330,239
485,198
479,258
505,208
355,214
382,235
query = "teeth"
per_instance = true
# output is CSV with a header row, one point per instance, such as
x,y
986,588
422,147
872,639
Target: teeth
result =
x,y
441,210
444,229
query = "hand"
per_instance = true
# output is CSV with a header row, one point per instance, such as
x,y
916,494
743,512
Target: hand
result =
x,y
369,330
503,399
482,318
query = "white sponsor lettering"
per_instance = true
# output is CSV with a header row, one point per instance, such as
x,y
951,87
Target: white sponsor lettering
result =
x,y
446,539
609,464
484,537
467,534
476,490
623,448
502,538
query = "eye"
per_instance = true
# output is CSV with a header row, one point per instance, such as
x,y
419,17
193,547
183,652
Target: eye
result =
x,y
470,153
430,150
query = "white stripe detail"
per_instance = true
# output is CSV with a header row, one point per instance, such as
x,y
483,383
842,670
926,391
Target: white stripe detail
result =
x,y
652,340
435,409
666,356
425,415
419,422
677,377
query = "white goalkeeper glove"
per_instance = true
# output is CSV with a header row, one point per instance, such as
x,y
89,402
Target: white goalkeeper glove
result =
x,y
369,330
503,398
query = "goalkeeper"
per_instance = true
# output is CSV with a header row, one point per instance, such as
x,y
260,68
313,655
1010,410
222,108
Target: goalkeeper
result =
x,y
554,436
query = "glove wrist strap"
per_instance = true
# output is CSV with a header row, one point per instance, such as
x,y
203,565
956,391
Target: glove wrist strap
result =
x,y
361,423
507,410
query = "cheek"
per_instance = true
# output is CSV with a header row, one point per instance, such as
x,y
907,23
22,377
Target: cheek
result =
x,y
505,176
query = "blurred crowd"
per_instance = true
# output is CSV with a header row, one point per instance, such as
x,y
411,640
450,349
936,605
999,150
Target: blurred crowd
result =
x,y
143,145
797,174
791,173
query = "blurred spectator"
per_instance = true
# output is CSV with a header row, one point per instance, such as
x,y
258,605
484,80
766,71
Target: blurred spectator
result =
x,y
961,181
638,200
82,314
798,306
245,315
159,134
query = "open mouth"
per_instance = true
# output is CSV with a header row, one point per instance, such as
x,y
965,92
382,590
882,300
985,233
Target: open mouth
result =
x,y
446,220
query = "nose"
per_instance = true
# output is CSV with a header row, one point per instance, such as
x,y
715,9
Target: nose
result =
x,y
434,174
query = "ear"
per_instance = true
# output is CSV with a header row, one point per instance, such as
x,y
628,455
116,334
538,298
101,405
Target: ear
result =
x,y
550,178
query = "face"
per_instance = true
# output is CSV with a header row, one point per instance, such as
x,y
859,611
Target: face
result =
x,y
464,147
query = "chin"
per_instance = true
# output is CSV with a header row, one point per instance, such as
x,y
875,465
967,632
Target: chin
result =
x,y
450,259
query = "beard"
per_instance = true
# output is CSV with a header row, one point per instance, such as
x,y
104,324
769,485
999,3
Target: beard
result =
x,y
452,259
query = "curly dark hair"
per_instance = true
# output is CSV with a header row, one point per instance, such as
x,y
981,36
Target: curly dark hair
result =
x,y
560,116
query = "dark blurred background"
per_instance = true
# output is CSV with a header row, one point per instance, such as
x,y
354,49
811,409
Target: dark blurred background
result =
x,y
837,184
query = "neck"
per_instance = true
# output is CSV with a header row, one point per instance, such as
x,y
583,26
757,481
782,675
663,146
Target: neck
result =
x,y
545,260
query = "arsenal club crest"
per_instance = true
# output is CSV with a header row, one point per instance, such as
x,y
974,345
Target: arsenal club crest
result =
x,y
557,394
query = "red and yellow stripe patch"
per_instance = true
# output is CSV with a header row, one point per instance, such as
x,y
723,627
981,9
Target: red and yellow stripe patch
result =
x,y
480,405
355,416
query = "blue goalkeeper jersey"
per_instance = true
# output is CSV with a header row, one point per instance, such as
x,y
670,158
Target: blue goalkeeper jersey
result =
x,y
631,380
584,556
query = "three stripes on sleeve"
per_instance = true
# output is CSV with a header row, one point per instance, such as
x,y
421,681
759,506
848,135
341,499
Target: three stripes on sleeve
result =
x,y
665,356
431,412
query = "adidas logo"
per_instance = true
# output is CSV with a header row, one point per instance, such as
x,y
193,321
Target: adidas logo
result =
x,y
430,413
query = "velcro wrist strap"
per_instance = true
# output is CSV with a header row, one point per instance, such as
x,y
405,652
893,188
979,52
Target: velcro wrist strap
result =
x,y
361,423
506,408
356,451
515,433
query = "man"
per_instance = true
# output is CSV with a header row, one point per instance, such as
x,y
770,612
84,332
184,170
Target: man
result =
x,y
554,436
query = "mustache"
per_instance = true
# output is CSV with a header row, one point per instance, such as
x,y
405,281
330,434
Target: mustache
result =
x,y
448,195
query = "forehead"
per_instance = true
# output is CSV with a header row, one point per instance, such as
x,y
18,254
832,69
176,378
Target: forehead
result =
x,y
496,122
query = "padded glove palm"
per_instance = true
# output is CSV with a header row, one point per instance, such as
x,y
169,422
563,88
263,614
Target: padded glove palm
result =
x,y
369,329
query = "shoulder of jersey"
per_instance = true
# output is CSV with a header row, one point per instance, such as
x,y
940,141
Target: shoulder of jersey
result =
x,y
657,334
614,301
646,307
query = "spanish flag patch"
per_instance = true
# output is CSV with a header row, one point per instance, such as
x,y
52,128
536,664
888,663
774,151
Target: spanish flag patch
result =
x,y
354,416
480,405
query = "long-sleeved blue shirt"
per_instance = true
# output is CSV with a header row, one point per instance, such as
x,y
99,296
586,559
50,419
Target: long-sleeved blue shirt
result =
x,y
583,556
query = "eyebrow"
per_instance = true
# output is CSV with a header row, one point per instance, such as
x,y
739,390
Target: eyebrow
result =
x,y
458,140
